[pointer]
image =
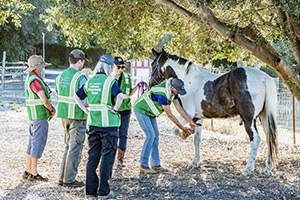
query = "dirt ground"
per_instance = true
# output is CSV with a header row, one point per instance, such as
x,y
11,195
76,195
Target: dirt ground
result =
x,y
223,156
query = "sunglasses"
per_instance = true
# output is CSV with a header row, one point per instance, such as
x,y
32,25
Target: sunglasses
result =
x,y
121,67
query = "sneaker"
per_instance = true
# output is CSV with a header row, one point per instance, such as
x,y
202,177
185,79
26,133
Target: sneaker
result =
x,y
74,184
110,195
25,175
38,177
147,170
159,169
60,183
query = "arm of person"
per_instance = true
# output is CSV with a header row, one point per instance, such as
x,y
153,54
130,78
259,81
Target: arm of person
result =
x,y
135,89
183,113
119,101
168,111
81,104
79,97
46,103
81,83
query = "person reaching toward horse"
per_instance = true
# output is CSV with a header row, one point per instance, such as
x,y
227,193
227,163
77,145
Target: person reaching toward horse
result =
x,y
149,106
124,81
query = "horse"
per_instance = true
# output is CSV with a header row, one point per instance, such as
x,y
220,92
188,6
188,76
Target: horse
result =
x,y
244,91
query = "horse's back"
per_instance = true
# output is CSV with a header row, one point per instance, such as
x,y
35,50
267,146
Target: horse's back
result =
x,y
238,92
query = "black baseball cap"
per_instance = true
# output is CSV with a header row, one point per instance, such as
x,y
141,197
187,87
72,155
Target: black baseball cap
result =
x,y
118,61
178,85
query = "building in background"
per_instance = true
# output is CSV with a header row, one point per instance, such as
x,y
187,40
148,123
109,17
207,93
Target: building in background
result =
x,y
140,70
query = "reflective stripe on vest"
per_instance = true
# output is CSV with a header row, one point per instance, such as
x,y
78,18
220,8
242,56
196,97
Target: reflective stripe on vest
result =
x,y
65,99
104,111
106,88
69,99
71,94
31,102
126,76
34,102
103,107
151,104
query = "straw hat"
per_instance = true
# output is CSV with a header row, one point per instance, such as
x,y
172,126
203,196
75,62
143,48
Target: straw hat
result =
x,y
35,62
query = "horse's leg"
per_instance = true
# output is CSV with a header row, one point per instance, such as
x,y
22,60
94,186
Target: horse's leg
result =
x,y
269,163
251,129
197,139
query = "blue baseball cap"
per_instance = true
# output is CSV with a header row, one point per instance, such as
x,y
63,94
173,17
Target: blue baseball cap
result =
x,y
178,85
108,59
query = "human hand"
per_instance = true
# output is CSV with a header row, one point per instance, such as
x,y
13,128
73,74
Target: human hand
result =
x,y
52,112
187,132
140,84
193,127
113,110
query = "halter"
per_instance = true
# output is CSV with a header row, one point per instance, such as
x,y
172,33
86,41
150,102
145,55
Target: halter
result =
x,y
158,70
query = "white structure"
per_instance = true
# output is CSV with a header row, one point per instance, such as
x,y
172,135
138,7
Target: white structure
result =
x,y
140,70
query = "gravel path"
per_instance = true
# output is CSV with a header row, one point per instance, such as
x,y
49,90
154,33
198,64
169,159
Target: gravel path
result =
x,y
223,156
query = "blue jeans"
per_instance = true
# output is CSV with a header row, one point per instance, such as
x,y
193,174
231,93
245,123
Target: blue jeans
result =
x,y
102,143
74,138
150,147
123,131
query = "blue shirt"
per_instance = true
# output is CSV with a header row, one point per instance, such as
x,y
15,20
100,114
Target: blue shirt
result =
x,y
115,90
161,99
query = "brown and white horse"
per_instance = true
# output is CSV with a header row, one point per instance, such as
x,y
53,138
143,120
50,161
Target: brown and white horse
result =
x,y
244,91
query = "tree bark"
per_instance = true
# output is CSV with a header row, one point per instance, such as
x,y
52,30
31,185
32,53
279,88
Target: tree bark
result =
x,y
263,50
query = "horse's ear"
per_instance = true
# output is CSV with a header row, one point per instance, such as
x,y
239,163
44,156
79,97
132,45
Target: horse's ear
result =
x,y
163,51
155,53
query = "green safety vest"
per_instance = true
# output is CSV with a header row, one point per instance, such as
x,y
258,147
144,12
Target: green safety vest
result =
x,y
35,108
98,90
126,89
67,85
147,106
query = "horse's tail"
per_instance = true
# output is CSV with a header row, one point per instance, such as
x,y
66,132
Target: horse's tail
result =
x,y
271,127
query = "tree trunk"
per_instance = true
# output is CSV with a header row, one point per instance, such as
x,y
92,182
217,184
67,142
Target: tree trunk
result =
x,y
263,51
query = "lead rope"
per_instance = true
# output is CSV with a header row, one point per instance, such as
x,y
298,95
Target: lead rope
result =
x,y
142,88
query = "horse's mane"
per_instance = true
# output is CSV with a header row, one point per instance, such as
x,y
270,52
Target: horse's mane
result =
x,y
183,61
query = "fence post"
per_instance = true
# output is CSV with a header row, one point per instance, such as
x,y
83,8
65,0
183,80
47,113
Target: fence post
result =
x,y
3,70
294,122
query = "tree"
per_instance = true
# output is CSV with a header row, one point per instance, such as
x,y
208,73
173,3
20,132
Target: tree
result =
x,y
21,27
11,10
201,29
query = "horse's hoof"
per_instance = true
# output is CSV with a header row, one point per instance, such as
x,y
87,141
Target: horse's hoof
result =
x,y
268,173
180,134
193,165
246,172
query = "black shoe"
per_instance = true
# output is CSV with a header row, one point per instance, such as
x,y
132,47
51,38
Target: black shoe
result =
x,y
25,175
37,178
74,184
60,183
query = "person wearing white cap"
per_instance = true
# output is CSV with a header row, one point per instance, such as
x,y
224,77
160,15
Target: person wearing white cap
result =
x,y
103,123
40,111
149,106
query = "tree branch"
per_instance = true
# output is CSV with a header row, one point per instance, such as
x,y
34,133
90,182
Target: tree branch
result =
x,y
263,50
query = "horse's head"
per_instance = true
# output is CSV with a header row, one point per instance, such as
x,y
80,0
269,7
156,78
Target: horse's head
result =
x,y
160,68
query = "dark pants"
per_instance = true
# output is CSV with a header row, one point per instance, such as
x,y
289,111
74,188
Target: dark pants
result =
x,y
123,131
102,143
